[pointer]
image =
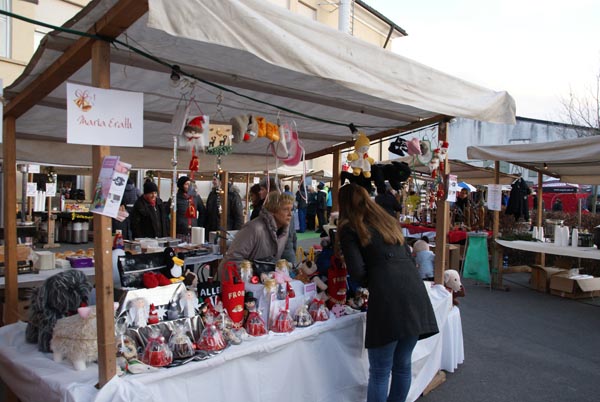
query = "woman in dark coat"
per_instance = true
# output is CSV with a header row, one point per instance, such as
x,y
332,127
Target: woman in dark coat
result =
x,y
149,217
400,312
190,208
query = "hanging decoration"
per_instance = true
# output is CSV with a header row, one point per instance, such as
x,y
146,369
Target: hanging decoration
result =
x,y
219,142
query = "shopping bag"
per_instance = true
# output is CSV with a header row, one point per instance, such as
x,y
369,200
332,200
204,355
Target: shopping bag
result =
x,y
337,284
233,294
207,287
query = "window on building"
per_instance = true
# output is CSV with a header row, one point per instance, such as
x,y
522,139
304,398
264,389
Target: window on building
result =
x,y
4,30
307,11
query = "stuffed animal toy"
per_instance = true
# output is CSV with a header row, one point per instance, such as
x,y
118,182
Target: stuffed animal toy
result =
x,y
59,296
138,311
194,132
360,161
75,338
395,173
283,279
360,300
453,285
308,272
188,302
424,259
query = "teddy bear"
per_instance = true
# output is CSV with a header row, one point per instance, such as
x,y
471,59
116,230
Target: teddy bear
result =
x,y
453,285
59,296
360,161
308,272
424,259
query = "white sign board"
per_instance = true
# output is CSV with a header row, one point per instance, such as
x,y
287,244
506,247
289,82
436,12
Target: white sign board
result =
x,y
31,189
97,116
494,197
50,189
452,187
110,186
33,168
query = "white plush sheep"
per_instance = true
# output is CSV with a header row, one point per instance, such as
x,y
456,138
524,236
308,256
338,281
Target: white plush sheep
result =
x,y
75,338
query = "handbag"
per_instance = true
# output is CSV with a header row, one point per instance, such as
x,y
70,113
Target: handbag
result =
x,y
398,146
208,288
233,294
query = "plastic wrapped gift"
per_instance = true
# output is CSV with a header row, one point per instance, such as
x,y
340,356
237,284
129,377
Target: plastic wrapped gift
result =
x,y
157,352
126,346
255,325
283,322
303,318
318,310
180,343
211,339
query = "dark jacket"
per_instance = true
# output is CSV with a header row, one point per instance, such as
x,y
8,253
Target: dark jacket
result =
x,y
399,305
183,222
148,221
388,202
301,202
517,203
235,216
256,210
321,200
311,208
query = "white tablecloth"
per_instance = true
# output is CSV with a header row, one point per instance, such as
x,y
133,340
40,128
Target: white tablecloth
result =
x,y
551,248
326,362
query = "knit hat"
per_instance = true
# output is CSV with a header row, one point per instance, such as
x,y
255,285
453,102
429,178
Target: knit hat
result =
x,y
150,187
181,181
321,186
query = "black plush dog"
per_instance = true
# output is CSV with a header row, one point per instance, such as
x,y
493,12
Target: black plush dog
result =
x,y
395,173
59,296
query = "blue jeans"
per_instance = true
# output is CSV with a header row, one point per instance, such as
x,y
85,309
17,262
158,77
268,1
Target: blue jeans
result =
x,y
302,220
395,357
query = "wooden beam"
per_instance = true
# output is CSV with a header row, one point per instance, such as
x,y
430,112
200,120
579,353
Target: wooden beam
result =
x,y
497,264
335,188
103,240
120,17
540,259
224,210
442,218
382,134
11,290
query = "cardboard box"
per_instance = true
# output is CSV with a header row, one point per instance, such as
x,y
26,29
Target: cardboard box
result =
x,y
540,277
563,286
23,252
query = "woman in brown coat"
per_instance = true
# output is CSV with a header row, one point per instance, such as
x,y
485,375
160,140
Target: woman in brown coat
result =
x,y
266,237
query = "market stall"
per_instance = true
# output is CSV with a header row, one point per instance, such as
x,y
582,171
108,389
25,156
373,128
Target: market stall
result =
x,y
269,73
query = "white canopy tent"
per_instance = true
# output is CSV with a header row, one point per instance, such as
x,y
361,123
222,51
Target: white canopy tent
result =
x,y
266,54
573,161
250,56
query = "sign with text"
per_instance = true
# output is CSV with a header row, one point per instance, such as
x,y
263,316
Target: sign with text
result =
x,y
110,186
50,189
97,116
494,197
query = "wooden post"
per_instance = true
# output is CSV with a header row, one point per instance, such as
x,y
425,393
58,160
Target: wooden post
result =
x,y
335,185
496,253
224,210
11,291
51,225
442,215
247,209
540,259
103,239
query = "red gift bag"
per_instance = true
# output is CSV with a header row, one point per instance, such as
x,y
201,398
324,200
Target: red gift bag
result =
x,y
232,294
337,283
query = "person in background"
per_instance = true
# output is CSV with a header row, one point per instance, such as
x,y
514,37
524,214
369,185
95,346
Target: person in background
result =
x,y
311,208
301,204
378,258
460,206
235,213
190,208
329,203
558,205
256,201
386,199
265,238
286,190
130,196
275,185
150,215
321,206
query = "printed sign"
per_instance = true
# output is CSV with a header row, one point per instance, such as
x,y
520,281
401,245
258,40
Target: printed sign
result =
x,y
50,189
452,187
110,186
97,116
31,189
494,197
33,168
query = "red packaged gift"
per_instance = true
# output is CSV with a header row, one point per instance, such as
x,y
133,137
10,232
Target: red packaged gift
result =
x,y
211,339
232,294
283,322
157,352
318,311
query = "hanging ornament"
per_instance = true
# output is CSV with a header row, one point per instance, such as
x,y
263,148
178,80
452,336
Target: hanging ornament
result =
x,y
219,142
195,131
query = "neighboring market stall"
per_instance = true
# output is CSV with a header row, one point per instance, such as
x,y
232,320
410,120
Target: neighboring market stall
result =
x,y
237,57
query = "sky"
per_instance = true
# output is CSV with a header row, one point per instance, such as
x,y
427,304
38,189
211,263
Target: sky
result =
x,y
537,50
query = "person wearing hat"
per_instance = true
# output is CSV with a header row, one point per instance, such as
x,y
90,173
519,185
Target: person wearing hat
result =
x,y
150,216
321,206
190,208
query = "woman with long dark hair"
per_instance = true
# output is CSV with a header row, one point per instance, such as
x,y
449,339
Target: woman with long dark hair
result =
x,y
400,312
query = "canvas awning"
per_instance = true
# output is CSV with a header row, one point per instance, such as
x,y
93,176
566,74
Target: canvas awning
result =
x,y
574,161
264,53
